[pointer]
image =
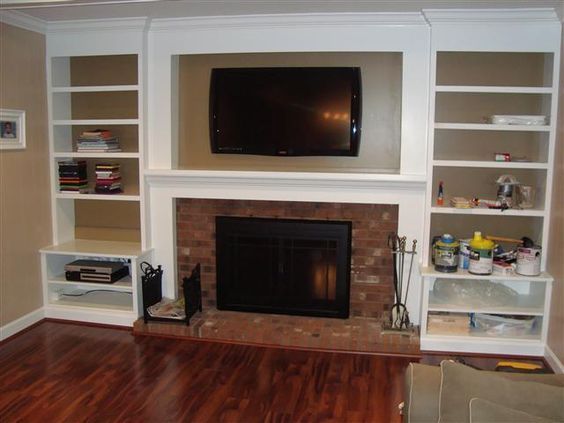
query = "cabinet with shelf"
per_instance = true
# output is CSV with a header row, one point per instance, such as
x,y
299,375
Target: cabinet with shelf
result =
x,y
112,303
96,87
473,81
531,302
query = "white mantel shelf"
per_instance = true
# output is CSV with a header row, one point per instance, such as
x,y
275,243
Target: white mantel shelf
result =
x,y
171,178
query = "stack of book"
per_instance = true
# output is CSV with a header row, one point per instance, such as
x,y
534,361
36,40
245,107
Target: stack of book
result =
x,y
73,177
108,178
97,141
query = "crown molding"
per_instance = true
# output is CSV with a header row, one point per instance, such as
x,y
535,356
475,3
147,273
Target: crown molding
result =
x,y
462,16
23,20
287,21
96,25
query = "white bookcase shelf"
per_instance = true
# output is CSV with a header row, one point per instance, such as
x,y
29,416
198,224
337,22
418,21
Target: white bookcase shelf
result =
x,y
487,212
430,271
124,196
87,92
124,284
491,89
491,127
96,248
95,122
490,164
96,155
471,81
97,88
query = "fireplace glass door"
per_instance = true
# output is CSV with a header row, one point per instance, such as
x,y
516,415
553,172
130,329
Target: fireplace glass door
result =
x,y
283,266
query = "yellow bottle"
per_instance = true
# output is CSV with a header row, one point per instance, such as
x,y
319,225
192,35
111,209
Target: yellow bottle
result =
x,y
481,255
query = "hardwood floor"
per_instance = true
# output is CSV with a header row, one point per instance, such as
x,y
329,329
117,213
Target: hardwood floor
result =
x,y
59,372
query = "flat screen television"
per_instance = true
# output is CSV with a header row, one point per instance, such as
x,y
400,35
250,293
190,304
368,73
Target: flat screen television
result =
x,y
283,111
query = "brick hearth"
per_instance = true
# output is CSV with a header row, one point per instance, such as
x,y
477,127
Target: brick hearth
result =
x,y
371,270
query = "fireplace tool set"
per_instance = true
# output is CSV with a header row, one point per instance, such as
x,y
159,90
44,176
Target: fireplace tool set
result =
x,y
399,316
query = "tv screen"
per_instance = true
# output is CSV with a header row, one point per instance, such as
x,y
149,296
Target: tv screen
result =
x,y
313,111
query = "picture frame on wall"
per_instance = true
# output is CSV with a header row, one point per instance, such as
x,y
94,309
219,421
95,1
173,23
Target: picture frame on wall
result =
x,y
12,129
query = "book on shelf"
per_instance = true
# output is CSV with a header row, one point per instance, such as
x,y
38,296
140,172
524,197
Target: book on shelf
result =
x,y
108,178
97,133
97,141
107,174
73,176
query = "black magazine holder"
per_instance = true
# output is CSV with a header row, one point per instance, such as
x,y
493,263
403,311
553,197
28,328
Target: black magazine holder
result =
x,y
151,282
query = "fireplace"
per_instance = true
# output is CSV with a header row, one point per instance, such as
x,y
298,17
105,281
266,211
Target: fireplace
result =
x,y
285,266
371,287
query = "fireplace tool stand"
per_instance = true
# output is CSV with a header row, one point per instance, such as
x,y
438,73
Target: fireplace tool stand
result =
x,y
399,317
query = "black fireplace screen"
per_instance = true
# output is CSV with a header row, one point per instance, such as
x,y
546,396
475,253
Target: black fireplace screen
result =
x,y
283,266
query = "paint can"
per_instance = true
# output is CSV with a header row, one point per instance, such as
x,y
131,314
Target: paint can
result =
x,y
434,241
529,261
446,254
481,255
464,253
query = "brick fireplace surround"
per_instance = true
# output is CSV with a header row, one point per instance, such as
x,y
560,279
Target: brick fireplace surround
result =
x,y
371,290
371,269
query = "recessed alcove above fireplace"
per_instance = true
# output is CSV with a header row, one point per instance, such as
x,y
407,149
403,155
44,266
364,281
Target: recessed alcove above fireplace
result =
x,y
379,92
371,289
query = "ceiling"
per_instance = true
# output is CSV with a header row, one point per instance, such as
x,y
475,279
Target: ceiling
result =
x,y
56,10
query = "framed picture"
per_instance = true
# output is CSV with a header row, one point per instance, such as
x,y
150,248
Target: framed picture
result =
x,y
12,129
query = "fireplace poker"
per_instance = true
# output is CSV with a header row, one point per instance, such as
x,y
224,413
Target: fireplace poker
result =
x,y
412,253
399,317
393,245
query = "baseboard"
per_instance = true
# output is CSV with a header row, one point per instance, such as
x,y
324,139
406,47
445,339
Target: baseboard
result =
x,y
20,324
553,360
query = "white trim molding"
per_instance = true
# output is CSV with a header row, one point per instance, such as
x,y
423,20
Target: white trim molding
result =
x,y
12,328
85,25
23,21
96,37
554,362
287,21
470,16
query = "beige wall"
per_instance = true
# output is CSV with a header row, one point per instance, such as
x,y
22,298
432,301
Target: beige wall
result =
x,y
381,112
556,247
25,215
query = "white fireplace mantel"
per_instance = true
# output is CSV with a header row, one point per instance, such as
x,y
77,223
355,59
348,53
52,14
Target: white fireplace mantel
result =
x,y
164,186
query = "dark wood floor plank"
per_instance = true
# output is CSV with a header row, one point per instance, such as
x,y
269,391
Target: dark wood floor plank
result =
x,y
69,373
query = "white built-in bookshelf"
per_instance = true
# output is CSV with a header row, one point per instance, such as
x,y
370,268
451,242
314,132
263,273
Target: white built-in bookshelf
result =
x,y
478,71
95,87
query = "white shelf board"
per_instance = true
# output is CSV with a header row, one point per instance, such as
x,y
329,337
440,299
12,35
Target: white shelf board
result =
x,y
492,89
95,88
96,155
95,248
116,300
428,271
97,122
490,164
488,212
124,284
105,197
476,335
491,127
482,345
527,305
